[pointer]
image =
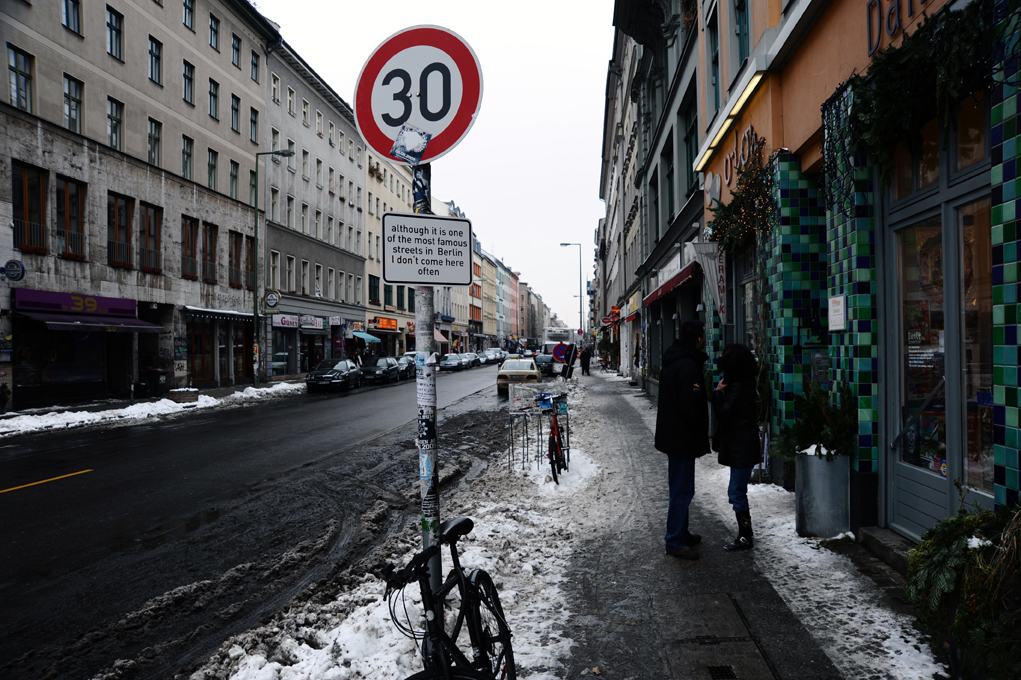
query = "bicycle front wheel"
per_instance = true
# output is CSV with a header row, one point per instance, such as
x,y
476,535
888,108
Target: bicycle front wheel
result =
x,y
455,674
554,458
492,634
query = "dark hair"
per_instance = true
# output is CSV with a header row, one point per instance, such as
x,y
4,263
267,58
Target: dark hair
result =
x,y
737,363
691,331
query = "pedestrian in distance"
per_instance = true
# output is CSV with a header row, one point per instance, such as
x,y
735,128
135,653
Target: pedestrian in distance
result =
x,y
682,431
737,441
586,357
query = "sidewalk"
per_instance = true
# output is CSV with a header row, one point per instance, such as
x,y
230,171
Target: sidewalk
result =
x,y
588,590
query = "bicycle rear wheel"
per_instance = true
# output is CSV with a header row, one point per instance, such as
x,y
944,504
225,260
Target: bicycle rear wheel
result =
x,y
455,674
554,463
492,634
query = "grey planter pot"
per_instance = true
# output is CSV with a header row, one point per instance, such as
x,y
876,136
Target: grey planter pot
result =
x,y
822,496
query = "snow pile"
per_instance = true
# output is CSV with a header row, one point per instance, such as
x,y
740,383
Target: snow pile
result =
x,y
59,420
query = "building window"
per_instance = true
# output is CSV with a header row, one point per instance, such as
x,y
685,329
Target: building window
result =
x,y
234,170
304,277
255,66
319,281
400,298
329,229
290,275
149,256
319,172
114,116
118,229
741,28
388,295
189,83
211,160
114,33
214,33
274,197
318,224
189,14
249,263
331,176
235,113
251,188
290,158
304,163
411,300
155,132
235,50
290,101
290,212
373,290
73,104
235,241
319,123
274,270
331,289
370,202
155,60
19,69
274,142
209,252
275,88
304,112
70,227
214,99
304,218
71,15
690,145
333,131
358,291
714,61
187,150
29,202
253,126
189,247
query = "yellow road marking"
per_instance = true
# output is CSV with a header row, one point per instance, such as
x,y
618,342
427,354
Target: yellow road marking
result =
x,y
25,486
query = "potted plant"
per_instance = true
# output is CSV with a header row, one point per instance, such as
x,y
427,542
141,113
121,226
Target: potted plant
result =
x,y
820,443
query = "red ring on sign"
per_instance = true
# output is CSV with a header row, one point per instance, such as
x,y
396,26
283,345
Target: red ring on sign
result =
x,y
471,90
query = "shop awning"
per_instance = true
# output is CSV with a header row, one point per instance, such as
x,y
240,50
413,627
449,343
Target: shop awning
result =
x,y
438,337
366,337
677,280
93,322
387,331
218,313
631,317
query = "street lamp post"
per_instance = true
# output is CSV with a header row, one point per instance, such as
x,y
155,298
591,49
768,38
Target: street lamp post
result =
x,y
581,319
255,254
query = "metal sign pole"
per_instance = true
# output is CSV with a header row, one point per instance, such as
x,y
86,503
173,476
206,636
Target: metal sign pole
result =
x,y
426,366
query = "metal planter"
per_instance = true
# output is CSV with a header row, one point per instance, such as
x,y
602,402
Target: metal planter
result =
x,y
822,496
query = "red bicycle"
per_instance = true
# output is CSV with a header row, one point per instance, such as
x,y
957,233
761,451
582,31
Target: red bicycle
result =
x,y
558,454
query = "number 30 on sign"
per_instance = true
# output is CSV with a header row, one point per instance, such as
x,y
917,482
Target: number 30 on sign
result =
x,y
418,94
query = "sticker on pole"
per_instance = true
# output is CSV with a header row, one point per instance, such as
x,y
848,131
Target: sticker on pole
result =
x,y
418,94
427,250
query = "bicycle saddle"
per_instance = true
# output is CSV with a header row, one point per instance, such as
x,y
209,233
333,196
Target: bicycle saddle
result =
x,y
453,529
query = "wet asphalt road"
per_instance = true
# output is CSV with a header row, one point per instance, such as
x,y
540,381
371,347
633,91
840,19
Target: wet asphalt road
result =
x,y
191,528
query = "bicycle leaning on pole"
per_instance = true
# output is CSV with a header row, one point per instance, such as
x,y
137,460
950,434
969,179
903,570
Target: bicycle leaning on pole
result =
x,y
559,455
479,613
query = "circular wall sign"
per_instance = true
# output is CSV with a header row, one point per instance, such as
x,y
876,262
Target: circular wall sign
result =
x,y
14,270
272,298
418,94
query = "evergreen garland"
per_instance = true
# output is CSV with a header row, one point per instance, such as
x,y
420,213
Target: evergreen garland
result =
x,y
751,210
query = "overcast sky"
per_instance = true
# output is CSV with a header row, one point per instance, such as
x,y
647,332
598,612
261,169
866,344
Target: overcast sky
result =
x,y
527,173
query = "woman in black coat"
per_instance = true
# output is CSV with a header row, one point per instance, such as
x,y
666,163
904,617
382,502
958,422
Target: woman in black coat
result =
x,y
737,443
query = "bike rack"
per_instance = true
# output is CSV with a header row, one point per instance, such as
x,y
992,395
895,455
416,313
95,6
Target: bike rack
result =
x,y
519,427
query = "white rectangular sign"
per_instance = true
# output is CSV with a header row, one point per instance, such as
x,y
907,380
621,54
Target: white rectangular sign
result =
x,y
427,250
838,313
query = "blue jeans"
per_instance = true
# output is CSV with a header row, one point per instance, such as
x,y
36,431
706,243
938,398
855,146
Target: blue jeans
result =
x,y
737,491
681,475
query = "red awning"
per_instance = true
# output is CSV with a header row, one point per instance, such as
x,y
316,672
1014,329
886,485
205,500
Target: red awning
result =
x,y
631,317
677,280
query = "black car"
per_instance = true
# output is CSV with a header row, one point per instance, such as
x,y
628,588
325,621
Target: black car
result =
x,y
546,364
406,365
380,370
333,374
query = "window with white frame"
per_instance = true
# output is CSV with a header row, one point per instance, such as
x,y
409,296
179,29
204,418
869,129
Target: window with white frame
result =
x,y
274,141
319,280
318,224
319,172
290,212
290,101
304,163
358,291
319,123
304,218
274,270
329,228
274,198
290,274
370,245
304,277
304,112
332,132
274,88
331,290
290,158
330,175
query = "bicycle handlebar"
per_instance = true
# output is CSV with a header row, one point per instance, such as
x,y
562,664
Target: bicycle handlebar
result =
x,y
395,580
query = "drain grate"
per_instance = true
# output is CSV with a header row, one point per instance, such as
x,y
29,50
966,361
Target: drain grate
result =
x,y
722,672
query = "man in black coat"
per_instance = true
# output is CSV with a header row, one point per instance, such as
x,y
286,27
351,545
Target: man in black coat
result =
x,y
682,431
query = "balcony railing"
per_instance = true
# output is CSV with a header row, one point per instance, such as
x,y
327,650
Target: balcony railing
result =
x,y
234,277
71,244
189,268
29,236
119,253
209,271
150,260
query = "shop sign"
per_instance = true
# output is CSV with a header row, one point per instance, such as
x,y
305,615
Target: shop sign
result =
x,y
838,313
633,304
307,321
26,299
383,323
614,312
411,327
355,325
13,270
334,320
285,321
878,19
271,298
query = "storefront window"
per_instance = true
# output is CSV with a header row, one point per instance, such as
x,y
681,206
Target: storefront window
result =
x,y
928,162
223,341
977,329
923,393
971,127
283,354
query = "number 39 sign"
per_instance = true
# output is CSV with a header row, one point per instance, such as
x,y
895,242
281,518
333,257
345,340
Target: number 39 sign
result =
x,y
418,94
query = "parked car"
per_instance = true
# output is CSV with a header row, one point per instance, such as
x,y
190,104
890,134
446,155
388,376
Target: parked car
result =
x,y
473,359
483,359
410,354
465,361
380,369
451,362
546,364
528,353
516,371
406,365
333,374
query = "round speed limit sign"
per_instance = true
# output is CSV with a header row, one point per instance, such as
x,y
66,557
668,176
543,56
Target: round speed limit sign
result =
x,y
418,94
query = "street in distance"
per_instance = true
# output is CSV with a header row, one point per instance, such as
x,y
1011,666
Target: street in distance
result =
x,y
427,250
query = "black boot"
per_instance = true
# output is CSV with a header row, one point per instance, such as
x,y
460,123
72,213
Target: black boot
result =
x,y
744,539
